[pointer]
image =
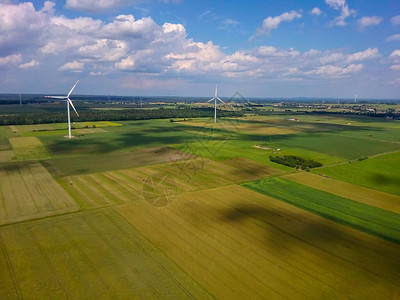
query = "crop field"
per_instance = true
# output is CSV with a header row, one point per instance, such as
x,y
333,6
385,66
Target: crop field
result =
x,y
156,209
28,191
361,216
380,172
128,185
239,244
28,148
368,196
87,256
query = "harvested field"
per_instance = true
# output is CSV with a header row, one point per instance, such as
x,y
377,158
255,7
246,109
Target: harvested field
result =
x,y
28,191
23,142
87,256
239,244
355,192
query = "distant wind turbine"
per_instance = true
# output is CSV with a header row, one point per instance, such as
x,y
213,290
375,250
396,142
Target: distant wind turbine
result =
x,y
355,98
69,102
215,103
20,99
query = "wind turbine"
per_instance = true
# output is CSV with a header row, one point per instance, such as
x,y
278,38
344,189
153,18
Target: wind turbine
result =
x,y
20,99
69,102
215,103
355,98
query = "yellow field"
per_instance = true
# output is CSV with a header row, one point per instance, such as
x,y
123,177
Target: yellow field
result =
x,y
94,255
239,244
89,130
347,190
26,148
28,191
101,124
121,186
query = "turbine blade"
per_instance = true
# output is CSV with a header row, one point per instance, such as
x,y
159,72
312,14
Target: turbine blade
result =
x,y
216,91
56,97
220,100
211,99
70,102
70,92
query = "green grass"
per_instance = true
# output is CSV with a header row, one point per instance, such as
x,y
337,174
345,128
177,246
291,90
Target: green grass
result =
x,y
334,145
381,173
367,218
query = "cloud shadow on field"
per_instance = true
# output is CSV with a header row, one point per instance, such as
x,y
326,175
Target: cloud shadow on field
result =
x,y
285,231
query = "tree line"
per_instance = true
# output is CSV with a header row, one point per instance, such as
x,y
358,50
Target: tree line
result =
x,y
295,162
113,115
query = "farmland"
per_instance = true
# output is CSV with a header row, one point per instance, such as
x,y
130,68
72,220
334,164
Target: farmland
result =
x,y
190,208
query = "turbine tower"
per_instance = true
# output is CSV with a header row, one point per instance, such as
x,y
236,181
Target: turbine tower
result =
x,y
355,98
69,102
215,103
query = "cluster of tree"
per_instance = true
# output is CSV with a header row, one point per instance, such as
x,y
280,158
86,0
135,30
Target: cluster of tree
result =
x,y
114,115
295,162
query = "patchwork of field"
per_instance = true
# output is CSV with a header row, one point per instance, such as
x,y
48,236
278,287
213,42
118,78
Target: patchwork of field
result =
x,y
376,221
239,244
28,191
6,156
122,186
87,256
380,172
354,192
28,148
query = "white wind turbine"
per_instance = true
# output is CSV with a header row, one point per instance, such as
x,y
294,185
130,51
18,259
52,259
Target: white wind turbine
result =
x,y
215,103
355,98
69,102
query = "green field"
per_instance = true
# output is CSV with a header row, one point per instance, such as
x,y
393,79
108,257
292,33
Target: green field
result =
x,y
192,209
381,172
367,218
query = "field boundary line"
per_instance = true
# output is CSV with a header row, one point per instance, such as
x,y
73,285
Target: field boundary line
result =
x,y
165,270
87,261
48,263
10,268
118,253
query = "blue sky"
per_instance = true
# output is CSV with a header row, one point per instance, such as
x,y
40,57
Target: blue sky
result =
x,y
321,48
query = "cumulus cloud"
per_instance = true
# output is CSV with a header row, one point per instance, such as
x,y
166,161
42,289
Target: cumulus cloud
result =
x,y
271,23
316,11
96,6
73,66
345,12
33,63
364,22
10,59
393,37
395,20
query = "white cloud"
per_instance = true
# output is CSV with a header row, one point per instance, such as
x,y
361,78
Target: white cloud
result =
x,y
96,6
395,20
345,12
271,23
10,59
74,66
316,11
370,53
395,67
395,54
33,63
364,22
393,37
333,71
